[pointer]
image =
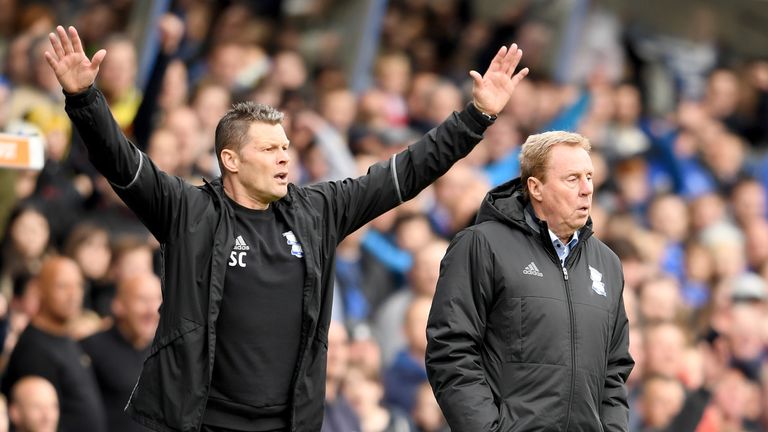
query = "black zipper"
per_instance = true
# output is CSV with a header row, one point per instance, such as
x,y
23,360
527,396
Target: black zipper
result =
x,y
583,236
550,248
573,347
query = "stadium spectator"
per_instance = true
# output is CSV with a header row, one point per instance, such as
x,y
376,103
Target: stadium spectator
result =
x,y
118,353
45,348
34,405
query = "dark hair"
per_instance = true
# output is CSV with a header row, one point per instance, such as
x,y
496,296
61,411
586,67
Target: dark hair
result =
x,y
11,262
232,130
80,234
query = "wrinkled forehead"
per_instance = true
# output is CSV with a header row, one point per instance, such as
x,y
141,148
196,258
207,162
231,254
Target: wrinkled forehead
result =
x,y
569,158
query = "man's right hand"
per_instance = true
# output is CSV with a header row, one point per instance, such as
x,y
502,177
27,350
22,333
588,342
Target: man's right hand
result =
x,y
69,62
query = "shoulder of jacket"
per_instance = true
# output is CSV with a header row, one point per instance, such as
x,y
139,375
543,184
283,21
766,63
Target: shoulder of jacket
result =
x,y
492,228
601,248
488,234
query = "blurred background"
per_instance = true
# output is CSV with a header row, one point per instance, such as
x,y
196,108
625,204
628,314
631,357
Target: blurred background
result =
x,y
672,95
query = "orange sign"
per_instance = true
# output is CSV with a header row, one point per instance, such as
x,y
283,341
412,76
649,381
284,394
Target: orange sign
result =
x,y
21,152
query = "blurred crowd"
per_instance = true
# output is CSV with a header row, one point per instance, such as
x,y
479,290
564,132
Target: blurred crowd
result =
x,y
678,125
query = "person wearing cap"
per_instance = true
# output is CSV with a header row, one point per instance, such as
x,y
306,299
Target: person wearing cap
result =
x,y
748,286
248,258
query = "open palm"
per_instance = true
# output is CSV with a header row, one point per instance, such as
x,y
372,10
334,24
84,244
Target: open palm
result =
x,y
492,91
69,62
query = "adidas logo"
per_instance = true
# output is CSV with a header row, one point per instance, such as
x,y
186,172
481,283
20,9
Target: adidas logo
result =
x,y
532,270
240,244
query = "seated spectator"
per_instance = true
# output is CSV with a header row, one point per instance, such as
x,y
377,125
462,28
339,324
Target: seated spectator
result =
x,y
364,391
88,244
660,299
130,256
34,405
422,281
458,196
746,333
24,246
699,275
756,233
662,399
665,345
45,348
426,414
668,216
185,125
117,79
339,415
726,244
749,202
117,354
731,400
362,280
163,149
408,371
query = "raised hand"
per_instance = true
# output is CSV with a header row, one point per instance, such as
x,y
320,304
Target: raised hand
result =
x,y
69,62
492,91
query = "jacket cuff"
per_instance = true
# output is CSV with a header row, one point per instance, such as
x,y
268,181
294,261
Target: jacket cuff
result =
x,y
476,121
81,99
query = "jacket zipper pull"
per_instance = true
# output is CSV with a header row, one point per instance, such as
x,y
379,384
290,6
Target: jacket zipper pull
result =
x,y
565,273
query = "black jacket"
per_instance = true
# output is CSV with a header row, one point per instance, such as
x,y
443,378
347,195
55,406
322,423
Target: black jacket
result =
x,y
516,343
194,226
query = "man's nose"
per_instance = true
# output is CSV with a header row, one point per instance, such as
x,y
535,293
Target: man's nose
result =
x,y
283,156
586,187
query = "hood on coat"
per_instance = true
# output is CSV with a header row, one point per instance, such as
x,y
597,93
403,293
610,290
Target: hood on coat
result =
x,y
507,204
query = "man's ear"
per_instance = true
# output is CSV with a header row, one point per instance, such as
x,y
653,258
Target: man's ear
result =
x,y
118,309
534,189
13,413
230,160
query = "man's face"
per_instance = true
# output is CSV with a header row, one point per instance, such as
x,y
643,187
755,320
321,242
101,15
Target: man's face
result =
x,y
62,292
36,410
118,72
664,350
338,352
565,197
262,163
140,301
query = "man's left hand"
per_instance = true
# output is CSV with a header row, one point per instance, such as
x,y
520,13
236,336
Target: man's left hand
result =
x,y
492,91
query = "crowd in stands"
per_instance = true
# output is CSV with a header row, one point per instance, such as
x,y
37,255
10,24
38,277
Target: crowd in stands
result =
x,y
679,130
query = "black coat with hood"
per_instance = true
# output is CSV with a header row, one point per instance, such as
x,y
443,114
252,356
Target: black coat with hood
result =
x,y
194,227
516,342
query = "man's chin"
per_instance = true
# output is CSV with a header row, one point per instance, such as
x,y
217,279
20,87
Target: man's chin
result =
x,y
281,192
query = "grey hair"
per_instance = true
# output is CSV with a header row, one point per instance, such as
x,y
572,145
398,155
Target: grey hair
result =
x,y
534,155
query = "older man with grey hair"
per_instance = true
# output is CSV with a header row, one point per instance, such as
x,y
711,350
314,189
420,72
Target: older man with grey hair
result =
x,y
528,329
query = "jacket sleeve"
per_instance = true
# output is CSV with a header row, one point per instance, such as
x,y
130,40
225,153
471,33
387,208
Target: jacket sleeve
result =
x,y
455,336
355,202
153,195
615,408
